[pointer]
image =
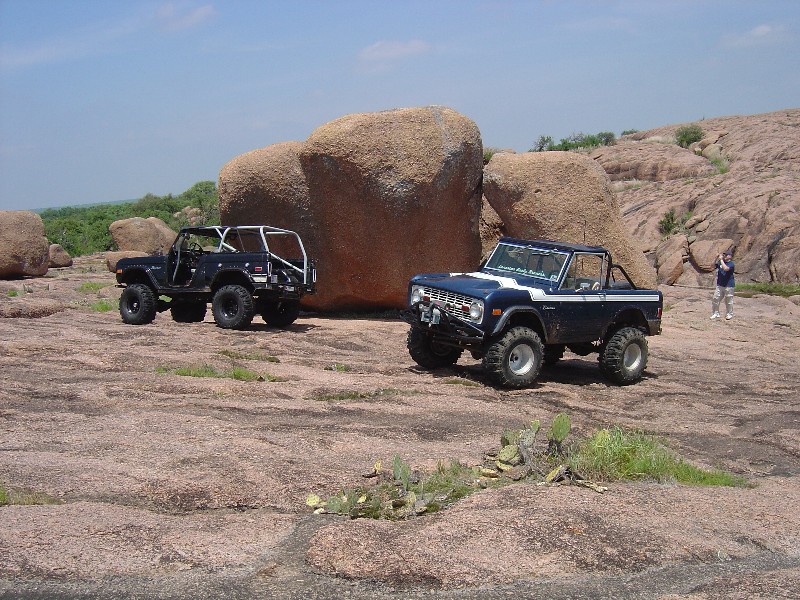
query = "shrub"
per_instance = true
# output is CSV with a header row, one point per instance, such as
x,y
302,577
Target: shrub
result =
x,y
84,229
688,135
670,223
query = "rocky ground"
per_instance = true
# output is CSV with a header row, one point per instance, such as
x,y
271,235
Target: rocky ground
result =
x,y
175,487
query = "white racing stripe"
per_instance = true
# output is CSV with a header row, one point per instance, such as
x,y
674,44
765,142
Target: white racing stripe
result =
x,y
538,294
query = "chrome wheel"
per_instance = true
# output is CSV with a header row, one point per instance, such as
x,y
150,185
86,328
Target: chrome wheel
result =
x,y
521,359
632,357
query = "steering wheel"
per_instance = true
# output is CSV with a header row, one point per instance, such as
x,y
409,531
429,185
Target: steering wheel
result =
x,y
596,285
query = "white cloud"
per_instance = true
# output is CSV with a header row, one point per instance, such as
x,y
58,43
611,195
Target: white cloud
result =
x,y
176,16
762,35
391,50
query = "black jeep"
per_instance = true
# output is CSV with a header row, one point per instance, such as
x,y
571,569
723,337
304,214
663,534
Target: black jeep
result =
x,y
529,302
234,268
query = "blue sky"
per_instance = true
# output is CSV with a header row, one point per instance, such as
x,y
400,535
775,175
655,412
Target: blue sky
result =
x,y
106,100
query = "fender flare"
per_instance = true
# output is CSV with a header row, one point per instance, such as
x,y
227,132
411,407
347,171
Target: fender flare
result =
x,y
139,275
512,311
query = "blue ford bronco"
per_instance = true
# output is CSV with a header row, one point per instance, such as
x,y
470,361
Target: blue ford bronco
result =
x,y
529,302
237,269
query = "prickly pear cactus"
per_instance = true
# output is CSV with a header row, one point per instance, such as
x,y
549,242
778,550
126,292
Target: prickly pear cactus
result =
x,y
509,437
560,428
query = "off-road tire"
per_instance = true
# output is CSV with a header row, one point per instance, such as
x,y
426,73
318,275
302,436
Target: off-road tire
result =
x,y
514,360
280,314
553,354
138,304
624,356
430,354
188,312
233,307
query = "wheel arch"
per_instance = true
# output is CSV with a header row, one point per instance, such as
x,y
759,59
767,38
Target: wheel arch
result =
x,y
628,317
232,277
525,317
138,275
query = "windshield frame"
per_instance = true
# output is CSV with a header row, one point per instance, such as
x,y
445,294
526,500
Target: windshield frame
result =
x,y
497,262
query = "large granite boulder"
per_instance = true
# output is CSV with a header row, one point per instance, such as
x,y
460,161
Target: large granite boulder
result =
x,y
562,196
376,197
395,193
268,187
58,257
24,249
150,235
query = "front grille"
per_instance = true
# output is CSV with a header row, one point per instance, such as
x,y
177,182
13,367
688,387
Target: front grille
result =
x,y
454,303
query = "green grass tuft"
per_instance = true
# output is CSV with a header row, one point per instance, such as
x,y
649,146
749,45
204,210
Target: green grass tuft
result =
x,y
774,289
355,395
460,381
24,497
615,454
104,305
91,286
249,356
237,373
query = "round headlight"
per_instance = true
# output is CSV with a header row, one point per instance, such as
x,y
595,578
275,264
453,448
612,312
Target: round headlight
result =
x,y
476,310
416,294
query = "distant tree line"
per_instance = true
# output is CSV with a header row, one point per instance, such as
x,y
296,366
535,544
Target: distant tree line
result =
x,y
575,141
84,229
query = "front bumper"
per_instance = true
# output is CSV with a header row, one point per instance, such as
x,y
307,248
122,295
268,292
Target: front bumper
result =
x,y
443,325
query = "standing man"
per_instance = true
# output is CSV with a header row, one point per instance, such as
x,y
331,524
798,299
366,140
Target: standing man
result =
x,y
725,285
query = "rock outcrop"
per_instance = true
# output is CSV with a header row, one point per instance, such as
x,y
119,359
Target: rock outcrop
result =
x,y
151,235
376,197
562,196
58,257
24,249
750,199
659,162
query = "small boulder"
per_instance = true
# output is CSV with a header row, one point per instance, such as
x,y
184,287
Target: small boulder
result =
x,y
713,152
59,257
670,256
150,235
671,269
704,253
24,249
113,257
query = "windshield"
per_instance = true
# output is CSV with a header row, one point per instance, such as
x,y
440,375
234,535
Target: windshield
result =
x,y
527,261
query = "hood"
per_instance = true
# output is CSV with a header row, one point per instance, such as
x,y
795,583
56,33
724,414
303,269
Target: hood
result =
x,y
476,284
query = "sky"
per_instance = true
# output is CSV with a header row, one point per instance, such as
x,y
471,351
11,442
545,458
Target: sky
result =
x,y
103,101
